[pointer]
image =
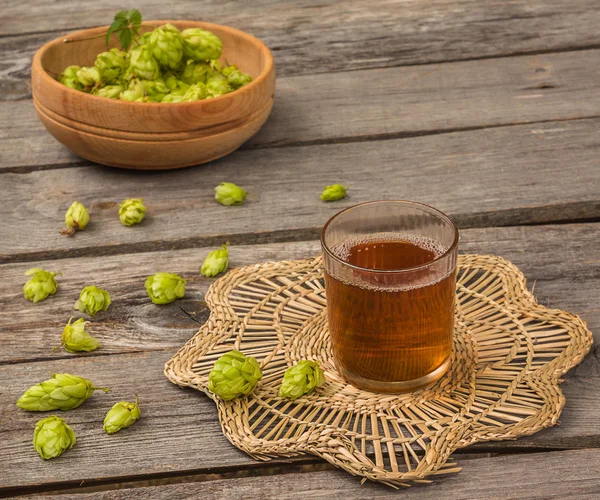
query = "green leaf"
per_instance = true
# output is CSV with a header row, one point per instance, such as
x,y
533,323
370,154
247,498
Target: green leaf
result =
x,y
135,17
113,27
125,37
121,15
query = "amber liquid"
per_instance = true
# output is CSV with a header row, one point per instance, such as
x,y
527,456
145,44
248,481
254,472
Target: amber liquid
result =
x,y
386,330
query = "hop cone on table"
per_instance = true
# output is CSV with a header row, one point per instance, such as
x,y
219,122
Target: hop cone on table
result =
x,y
40,285
227,193
121,416
201,45
215,262
69,78
76,339
235,77
111,65
132,211
142,64
301,379
164,288
76,218
62,392
167,46
110,91
334,192
52,437
92,300
234,375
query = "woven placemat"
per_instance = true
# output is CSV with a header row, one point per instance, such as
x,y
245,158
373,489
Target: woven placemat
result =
x,y
509,354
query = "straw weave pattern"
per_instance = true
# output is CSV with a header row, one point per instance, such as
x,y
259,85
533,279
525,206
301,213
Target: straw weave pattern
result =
x,y
509,354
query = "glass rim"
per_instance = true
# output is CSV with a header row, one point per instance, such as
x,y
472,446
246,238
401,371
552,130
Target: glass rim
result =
x,y
435,211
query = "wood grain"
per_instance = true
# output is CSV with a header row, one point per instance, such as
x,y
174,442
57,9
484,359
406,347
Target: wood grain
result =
x,y
179,433
545,476
501,176
401,102
319,37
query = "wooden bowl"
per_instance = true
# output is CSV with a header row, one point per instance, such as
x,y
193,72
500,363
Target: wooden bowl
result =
x,y
152,136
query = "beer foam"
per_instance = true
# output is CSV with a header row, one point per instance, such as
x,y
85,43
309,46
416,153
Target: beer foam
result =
x,y
342,250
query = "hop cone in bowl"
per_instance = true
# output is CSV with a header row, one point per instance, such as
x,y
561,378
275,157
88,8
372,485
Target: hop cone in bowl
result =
x,y
111,65
201,45
69,78
167,46
142,64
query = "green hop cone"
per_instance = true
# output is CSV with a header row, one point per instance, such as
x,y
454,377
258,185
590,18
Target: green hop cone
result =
x,y
172,98
228,193
69,78
52,437
334,192
76,339
135,91
235,77
142,64
88,76
164,288
110,91
234,375
301,379
175,85
195,73
195,92
201,45
166,44
62,392
132,211
76,218
111,65
154,90
217,85
122,415
216,262
40,285
92,300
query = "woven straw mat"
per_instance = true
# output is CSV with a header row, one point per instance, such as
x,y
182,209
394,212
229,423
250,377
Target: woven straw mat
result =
x,y
509,354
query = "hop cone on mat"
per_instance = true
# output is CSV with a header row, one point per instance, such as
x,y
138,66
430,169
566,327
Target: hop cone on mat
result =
x,y
132,211
121,416
142,64
235,77
234,375
195,73
334,192
62,392
227,193
40,285
111,65
69,78
301,379
52,437
167,46
165,287
92,300
110,91
76,218
201,45
217,85
76,339
88,76
216,262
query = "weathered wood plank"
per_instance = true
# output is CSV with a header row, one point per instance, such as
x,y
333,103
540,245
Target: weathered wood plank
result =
x,y
562,260
316,37
400,101
557,475
500,176
180,434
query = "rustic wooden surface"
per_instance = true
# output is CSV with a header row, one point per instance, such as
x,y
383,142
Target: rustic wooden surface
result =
x,y
487,110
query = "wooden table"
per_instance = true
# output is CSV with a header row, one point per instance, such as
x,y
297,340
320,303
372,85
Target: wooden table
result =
x,y
488,110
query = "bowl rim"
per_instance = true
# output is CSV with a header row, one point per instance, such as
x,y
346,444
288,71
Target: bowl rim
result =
x,y
38,68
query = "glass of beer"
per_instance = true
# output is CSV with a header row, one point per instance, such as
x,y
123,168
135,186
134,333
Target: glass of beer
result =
x,y
390,280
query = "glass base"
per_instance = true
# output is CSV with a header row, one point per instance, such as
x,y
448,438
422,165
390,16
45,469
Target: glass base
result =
x,y
396,387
